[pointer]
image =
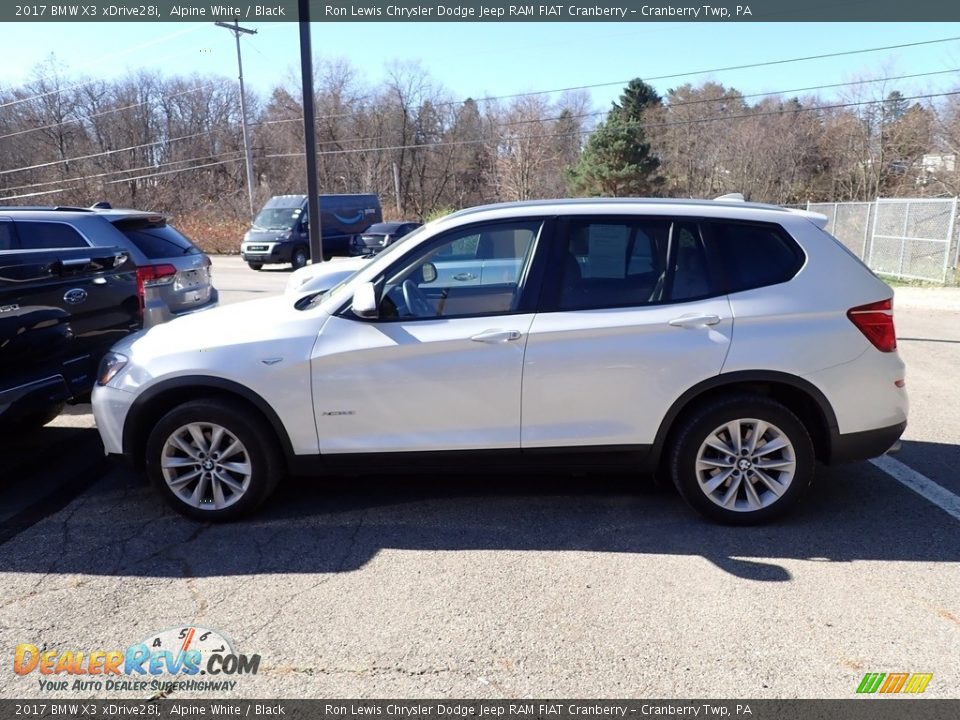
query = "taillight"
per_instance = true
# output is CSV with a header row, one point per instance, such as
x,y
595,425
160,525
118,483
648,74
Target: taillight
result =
x,y
152,276
875,321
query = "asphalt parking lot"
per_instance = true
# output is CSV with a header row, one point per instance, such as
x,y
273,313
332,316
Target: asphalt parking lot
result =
x,y
500,586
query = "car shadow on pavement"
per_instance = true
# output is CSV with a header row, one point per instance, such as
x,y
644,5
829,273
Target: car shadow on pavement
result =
x,y
121,528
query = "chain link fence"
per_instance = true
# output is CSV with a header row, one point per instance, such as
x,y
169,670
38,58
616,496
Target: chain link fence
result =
x,y
903,238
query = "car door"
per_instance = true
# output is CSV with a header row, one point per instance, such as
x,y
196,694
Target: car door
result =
x,y
60,307
632,318
440,368
102,304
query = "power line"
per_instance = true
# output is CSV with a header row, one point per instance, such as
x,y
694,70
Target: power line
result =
x,y
57,91
444,143
583,87
711,71
79,120
541,136
111,173
698,101
125,51
171,172
727,68
107,152
517,122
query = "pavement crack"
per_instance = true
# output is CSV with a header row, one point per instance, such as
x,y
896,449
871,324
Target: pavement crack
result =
x,y
339,568
352,543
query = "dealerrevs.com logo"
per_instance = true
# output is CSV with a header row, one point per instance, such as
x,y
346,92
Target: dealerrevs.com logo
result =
x,y
198,658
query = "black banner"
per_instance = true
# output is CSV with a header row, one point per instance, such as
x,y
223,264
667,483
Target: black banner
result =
x,y
873,708
485,11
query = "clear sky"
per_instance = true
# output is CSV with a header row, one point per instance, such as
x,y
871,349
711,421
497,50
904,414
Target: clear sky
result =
x,y
484,59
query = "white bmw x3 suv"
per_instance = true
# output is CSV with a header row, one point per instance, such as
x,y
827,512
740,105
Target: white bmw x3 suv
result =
x,y
732,345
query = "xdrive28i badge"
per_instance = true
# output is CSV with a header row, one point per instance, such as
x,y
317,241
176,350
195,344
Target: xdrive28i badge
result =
x,y
75,296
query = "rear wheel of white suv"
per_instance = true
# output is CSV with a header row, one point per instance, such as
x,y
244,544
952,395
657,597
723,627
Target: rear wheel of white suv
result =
x,y
742,459
212,459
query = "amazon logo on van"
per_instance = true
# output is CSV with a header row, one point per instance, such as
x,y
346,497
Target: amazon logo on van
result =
x,y
353,218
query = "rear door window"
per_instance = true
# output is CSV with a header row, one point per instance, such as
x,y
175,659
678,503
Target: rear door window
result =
x,y
631,262
157,241
48,235
611,263
754,254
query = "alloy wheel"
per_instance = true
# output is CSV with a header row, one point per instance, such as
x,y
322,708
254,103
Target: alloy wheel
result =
x,y
745,465
206,466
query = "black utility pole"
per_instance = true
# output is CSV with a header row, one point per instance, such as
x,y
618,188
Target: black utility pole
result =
x,y
237,30
309,141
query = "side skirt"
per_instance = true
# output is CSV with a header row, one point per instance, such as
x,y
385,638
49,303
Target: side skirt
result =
x,y
607,458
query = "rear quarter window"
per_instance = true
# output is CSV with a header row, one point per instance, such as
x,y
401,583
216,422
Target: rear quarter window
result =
x,y
157,241
754,255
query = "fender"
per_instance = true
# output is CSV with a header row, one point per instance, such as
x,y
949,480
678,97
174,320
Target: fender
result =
x,y
741,377
138,410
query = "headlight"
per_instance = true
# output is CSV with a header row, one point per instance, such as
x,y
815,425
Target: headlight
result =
x,y
111,364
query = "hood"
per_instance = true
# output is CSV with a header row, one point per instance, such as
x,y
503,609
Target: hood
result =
x,y
266,235
233,326
323,276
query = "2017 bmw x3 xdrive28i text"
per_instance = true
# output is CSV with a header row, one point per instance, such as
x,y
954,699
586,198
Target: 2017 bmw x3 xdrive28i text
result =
x,y
731,344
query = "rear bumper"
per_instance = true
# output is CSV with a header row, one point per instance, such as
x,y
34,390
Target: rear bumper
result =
x,y
156,310
850,447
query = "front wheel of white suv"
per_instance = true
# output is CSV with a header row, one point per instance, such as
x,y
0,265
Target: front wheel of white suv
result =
x,y
212,459
742,460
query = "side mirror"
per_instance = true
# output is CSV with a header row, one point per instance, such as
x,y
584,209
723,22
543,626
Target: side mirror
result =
x,y
365,303
429,272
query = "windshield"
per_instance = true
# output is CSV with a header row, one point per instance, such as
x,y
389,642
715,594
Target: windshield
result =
x,y
277,218
311,301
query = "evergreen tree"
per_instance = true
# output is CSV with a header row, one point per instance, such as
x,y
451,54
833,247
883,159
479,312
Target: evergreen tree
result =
x,y
617,160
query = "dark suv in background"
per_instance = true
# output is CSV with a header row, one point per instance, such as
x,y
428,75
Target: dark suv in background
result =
x,y
72,282
380,235
166,261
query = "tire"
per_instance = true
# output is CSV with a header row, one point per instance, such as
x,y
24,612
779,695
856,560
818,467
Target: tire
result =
x,y
255,469
31,420
327,257
299,257
762,494
255,266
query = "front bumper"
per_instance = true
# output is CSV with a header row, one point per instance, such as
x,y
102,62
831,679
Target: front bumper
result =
x,y
110,408
266,252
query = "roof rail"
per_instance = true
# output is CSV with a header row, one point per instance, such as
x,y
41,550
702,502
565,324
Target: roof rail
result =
x,y
731,197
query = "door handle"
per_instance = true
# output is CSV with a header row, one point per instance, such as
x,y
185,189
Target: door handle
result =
x,y
496,336
465,276
693,321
